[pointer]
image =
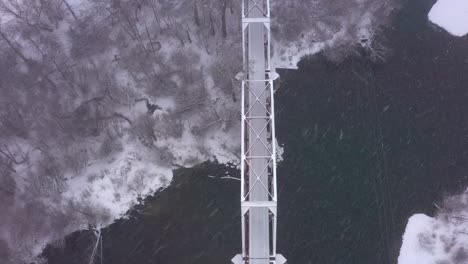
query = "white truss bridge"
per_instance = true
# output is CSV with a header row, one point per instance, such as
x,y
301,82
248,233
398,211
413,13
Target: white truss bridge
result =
x,y
259,194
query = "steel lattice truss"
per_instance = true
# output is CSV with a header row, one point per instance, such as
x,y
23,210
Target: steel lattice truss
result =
x,y
262,137
250,6
258,161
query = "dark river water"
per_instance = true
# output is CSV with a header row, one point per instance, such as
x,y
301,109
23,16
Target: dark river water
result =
x,y
366,146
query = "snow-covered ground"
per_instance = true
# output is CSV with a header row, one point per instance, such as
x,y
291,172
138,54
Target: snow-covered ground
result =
x,y
440,239
452,15
79,176
303,28
413,250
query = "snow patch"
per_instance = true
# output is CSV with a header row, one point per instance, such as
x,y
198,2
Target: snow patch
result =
x,y
117,183
413,251
452,15
287,57
279,151
439,239
62,35
79,6
166,103
365,31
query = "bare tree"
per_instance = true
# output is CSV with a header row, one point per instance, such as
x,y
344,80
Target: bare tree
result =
x,y
375,46
34,13
70,9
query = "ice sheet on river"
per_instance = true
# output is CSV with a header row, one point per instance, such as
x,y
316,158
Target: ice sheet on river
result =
x,y
452,15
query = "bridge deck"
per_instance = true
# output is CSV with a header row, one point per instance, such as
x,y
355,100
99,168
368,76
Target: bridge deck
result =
x,y
258,217
258,166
